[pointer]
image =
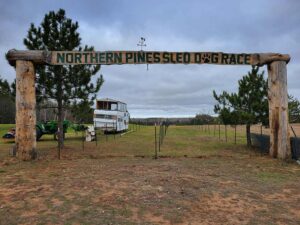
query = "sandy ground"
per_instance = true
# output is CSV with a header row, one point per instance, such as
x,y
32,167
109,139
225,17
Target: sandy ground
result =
x,y
232,186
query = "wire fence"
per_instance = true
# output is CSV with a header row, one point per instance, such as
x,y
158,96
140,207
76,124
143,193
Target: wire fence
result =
x,y
160,131
75,143
294,129
108,142
260,135
227,133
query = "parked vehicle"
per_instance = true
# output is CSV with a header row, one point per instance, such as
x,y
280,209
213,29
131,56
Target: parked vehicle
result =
x,y
10,134
111,115
49,127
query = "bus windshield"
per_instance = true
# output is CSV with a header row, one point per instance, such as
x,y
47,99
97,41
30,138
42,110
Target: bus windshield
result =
x,y
105,105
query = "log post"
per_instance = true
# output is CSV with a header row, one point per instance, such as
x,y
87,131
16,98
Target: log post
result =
x,y
278,110
25,110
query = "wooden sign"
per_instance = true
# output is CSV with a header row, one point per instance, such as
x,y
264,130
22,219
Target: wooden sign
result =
x,y
149,57
143,57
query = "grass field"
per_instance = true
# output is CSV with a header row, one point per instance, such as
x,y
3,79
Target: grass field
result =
x,y
196,180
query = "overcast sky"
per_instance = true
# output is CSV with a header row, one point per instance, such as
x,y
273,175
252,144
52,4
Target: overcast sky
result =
x,y
168,25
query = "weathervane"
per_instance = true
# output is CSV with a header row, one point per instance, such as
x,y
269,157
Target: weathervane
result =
x,y
142,44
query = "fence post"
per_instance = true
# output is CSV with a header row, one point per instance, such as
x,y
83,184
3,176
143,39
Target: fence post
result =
x,y
115,131
225,132
219,131
214,130
235,134
162,134
106,132
159,138
96,136
155,151
82,137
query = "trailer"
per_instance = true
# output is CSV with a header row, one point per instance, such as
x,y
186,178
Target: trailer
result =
x,y
111,115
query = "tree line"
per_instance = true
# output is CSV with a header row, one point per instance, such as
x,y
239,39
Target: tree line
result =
x,y
7,105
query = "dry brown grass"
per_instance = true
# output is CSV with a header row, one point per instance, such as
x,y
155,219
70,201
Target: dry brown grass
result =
x,y
199,180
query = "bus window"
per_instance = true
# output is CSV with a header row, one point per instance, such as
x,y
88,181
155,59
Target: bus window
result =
x,y
113,106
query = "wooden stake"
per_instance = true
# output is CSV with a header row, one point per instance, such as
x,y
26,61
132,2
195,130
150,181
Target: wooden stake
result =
x,y
225,132
214,130
235,134
278,110
82,139
159,136
25,110
219,131
155,151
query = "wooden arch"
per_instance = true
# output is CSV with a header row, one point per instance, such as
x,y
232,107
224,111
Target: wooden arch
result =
x,y
25,61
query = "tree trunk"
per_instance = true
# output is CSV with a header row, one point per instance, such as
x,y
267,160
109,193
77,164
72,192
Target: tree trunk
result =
x,y
248,135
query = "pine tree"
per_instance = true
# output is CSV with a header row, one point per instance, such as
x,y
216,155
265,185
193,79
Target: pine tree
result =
x,y
83,112
64,84
5,89
249,105
7,105
294,109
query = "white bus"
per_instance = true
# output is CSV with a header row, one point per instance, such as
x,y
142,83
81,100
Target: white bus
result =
x,y
111,115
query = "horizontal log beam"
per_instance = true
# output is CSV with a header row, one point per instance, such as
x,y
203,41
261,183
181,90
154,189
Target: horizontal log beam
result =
x,y
36,56
267,58
143,57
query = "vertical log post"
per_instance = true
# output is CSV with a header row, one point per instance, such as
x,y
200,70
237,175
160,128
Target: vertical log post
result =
x,y
278,110
25,110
